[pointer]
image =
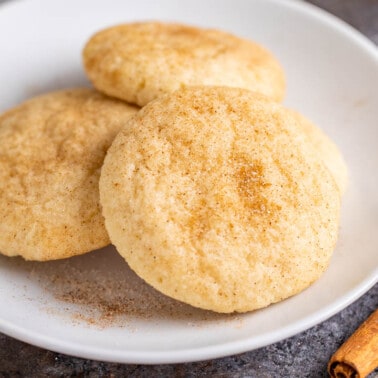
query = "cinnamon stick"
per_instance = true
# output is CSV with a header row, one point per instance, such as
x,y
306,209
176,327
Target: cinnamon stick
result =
x,y
358,356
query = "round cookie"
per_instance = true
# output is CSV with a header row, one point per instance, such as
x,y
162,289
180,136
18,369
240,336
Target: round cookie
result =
x,y
214,197
327,149
51,151
139,62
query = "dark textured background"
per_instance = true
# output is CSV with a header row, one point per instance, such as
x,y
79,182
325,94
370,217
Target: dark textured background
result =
x,y
304,355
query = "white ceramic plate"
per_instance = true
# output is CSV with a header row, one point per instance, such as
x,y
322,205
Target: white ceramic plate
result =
x,y
332,74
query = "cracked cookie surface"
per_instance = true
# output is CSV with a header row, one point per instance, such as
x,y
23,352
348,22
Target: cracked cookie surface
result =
x,y
215,198
141,61
51,151
327,150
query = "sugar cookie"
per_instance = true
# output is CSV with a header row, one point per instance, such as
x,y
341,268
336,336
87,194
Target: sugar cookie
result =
x,y
51,151
213,196
327,149
140,61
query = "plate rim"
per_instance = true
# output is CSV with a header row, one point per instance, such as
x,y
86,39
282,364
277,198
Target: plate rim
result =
x,y
187,355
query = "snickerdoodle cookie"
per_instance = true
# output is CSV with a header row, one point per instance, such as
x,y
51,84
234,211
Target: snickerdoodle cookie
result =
x,y
138,62
327,149
214,197
51,151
